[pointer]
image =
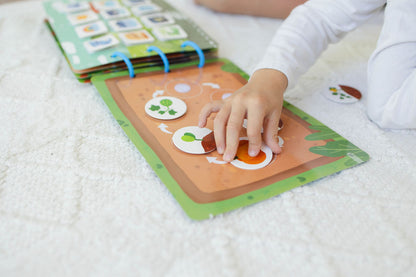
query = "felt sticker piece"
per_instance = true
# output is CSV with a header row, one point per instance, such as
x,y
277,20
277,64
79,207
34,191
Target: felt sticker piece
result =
x,y
137,37
220,94
343,94
127,24
82,18
134,2
115,13
155,20
100,43
194,140
183,88
165,108
107,4
91,29
170,32
145,9
244,161
76,7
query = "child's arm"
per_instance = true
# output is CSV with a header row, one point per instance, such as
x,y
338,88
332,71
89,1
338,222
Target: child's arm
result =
x,y
306,33
295,47
392,69
267,8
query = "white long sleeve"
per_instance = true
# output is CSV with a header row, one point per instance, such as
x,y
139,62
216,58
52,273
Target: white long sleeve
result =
x,y
308,30
392,68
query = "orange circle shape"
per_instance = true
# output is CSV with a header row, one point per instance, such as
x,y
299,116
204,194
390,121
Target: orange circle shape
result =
x,y
242,154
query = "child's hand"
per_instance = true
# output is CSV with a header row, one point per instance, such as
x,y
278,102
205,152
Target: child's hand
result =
x,y
260,101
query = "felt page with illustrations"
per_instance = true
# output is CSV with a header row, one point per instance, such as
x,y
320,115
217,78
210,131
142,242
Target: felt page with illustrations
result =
x,y
88,32
159,112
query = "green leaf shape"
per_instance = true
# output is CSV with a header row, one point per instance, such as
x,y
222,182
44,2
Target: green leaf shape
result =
x,y
122,123
172,112
323,134
154,108
166,102
188,137
339,148
162,112
301,179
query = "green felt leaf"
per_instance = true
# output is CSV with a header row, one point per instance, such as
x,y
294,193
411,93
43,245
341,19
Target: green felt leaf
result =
x,y
323,134
166,102
338,149
154,108
188,137
172,112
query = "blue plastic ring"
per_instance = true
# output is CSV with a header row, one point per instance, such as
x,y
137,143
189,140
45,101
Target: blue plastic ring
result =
x,y
198,51
161,54
126,60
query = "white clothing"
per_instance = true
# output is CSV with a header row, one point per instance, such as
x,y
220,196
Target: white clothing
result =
x,y
392,68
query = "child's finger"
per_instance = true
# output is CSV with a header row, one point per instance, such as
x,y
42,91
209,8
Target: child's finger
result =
x,y
220,123
207,110
235,123
271,129
255,117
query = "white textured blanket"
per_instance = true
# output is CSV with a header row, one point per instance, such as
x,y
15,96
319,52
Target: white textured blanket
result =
x,y
78,199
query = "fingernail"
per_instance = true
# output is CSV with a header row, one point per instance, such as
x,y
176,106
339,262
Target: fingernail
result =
x,y
220,150
228,157
252,153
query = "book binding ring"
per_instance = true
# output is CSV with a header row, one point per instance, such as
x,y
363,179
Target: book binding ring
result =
x,y
127,62
162,55
197,49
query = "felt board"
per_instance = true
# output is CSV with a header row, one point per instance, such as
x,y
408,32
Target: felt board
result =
x,y
204,185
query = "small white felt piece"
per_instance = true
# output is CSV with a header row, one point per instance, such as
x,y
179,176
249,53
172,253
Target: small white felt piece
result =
x,y
337,95
76,7
189,140
136,37
281,141
82,18
165,108
157,19
106,4
91,29
126,24
241,164
100,43
145,9
115,13
170,33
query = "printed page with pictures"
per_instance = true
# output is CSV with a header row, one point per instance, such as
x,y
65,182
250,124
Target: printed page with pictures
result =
x,y
89,32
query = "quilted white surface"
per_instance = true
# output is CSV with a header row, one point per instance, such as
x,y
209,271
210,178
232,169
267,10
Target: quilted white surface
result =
x,y
78,199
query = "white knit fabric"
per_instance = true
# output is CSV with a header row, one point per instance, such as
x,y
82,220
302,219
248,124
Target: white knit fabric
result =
x,y
78,199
